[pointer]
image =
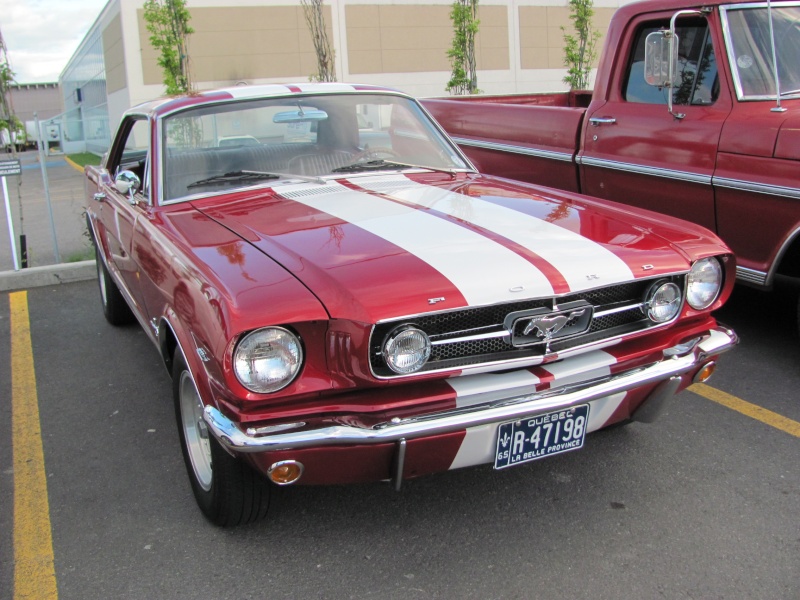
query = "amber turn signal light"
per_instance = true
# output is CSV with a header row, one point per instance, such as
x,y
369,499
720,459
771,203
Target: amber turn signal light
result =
x,y
705,372
285,472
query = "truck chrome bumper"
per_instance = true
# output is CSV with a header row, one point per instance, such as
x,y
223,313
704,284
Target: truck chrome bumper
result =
x,y
677,361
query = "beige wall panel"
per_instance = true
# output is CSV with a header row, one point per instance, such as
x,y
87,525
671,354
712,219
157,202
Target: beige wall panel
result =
x,y
558,16
429,38
492,16
363,38
239,43
397,39
555,58
414,61
362,15
114,56
542,39
492,59
412,39
414,16
533,37
365,62
247,18
534,58
532,16
491,43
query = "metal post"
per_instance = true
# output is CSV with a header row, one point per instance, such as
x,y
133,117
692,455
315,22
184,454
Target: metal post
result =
x,y
11,236
42,163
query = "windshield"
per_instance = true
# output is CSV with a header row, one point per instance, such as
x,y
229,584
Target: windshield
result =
x,y
747,35
219,147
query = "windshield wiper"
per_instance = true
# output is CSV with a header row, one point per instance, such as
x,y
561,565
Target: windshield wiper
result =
x,y
378,164
790,93
234,176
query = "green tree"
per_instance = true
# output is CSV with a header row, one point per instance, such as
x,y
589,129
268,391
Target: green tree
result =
x,y
326,69
464,76
168,24
580,50
8,120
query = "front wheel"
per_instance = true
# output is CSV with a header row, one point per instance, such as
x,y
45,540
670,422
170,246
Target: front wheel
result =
x,y
115,309
227,490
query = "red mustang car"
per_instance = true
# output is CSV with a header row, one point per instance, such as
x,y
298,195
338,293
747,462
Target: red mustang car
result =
x,y
341,297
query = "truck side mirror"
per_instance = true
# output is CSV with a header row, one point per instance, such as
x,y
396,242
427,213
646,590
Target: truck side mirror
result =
x,y
657,58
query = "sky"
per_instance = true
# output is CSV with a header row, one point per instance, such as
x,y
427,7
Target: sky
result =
x,y
41,35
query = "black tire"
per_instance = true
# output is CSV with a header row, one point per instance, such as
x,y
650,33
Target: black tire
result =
x,y
116,310
227,490
798,314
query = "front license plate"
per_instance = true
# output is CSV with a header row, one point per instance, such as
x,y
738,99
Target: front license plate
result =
x,y
544,435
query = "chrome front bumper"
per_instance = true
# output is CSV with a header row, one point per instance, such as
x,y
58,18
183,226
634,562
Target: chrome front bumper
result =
x,y
677,361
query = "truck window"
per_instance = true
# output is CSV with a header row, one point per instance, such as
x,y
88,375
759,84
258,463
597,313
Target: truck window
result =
x,y
747,35
698,83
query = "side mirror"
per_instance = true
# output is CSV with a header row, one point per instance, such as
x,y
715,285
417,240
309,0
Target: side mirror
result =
x,y
128,183
657,57
661,57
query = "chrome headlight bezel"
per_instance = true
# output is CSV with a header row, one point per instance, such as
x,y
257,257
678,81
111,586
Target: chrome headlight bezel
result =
x,y
663,302
408,342
704,283
268,359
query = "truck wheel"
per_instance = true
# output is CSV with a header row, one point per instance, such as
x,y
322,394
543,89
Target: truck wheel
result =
x,y
115,309
227,490
798,314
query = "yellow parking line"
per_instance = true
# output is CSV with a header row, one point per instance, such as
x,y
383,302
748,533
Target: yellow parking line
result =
x,y
34,571
746,408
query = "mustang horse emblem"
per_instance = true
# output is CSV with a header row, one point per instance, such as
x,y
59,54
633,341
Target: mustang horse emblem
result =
x,y
547,326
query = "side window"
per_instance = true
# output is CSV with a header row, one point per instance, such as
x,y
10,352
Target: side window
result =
x,y
134,155
698,83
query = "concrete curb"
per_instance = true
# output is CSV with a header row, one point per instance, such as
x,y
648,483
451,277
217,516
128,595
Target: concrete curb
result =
x,y
49,275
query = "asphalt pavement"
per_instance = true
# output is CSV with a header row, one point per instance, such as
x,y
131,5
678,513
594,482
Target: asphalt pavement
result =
x,y
63,258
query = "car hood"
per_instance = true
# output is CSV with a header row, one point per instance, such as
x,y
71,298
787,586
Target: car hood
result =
x,y
374,247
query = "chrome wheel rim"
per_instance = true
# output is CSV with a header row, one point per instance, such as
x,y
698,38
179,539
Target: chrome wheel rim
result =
x,y
195,432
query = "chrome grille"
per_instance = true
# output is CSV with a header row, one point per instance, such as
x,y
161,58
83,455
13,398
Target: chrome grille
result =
x,y
474,336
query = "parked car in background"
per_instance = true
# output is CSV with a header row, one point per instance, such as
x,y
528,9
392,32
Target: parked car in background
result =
x,y
337,311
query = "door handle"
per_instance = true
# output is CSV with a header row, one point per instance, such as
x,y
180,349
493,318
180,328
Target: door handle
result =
x,y
597,121
99,196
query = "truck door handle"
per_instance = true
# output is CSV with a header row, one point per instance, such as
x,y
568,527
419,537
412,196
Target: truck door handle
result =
x,y
597,121
99,196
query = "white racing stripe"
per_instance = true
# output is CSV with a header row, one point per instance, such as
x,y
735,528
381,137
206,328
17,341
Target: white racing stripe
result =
x,y
480,443
583,263
483,270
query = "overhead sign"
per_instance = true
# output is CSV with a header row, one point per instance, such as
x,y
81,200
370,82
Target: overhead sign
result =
x,y
9,167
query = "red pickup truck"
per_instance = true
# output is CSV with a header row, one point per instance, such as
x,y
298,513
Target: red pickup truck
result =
x,y
722,150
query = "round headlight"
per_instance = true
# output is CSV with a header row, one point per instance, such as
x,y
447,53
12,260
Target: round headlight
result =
x,y
406,350
663,302
267,360
705,281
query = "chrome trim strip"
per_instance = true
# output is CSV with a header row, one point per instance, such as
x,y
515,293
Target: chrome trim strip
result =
x,y
642,170
554,298
758,188
714,342
751,276
550,154
619,309
472,338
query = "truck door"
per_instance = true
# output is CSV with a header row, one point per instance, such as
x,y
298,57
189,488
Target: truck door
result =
x,y
635,151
